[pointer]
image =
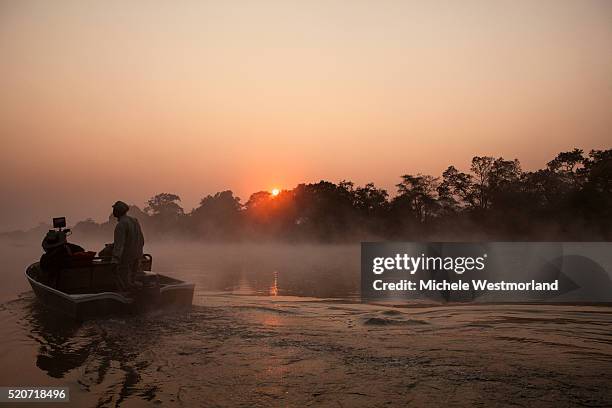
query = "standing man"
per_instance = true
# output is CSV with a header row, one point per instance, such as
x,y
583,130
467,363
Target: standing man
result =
x,y
127,247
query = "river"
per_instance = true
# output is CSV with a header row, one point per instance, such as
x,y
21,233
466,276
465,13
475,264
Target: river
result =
x,y
282,325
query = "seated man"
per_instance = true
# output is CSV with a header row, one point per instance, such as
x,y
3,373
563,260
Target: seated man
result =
x,y
57,256
127,246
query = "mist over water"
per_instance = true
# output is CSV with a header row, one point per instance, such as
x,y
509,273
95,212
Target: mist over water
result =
x,y
322,271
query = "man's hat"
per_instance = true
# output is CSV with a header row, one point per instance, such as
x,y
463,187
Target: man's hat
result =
x,y
121,207
53,239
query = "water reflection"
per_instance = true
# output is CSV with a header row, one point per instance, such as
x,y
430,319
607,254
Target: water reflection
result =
x,y
240,280
274,287
95,352
62,347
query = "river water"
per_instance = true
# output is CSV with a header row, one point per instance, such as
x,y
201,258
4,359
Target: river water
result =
x,y
281,325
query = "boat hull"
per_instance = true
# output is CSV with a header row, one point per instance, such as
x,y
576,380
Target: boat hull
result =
x,y
171,293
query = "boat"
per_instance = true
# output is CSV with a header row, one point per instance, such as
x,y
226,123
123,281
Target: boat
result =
x,y
90,291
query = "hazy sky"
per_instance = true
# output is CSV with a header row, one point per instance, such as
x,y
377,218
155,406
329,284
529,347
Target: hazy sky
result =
x,y
107,100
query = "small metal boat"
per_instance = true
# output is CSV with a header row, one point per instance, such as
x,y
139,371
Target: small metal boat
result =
x,y
91,291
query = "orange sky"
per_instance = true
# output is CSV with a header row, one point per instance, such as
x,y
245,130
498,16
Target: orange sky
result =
x,y
107,100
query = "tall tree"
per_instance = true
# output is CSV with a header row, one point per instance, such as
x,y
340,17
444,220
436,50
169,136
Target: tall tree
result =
x,y
419,192
166,213
164,204
218,216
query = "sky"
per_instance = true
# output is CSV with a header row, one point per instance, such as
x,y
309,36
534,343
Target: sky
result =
x,y
109,100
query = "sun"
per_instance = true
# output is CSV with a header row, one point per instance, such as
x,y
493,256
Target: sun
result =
x,y
275,192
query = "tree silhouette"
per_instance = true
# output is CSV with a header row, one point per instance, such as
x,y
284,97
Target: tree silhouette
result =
x,y
570,199
419,195
218,216
164,204
165,213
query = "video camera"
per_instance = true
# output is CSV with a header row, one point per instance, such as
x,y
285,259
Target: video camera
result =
x,y
59,223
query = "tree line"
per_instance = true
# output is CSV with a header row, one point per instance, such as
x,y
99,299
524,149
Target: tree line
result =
x,y
569,199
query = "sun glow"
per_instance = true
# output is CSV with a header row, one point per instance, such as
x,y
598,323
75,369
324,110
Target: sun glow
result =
x,y
275,192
